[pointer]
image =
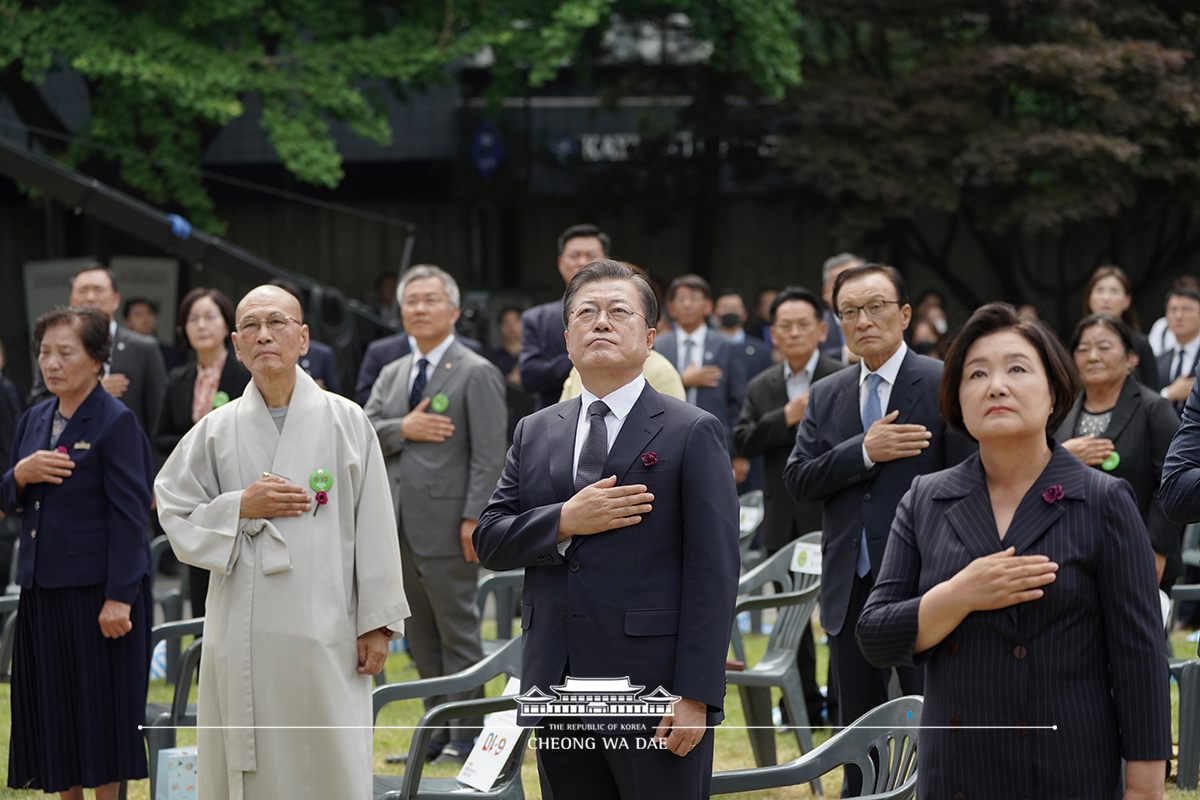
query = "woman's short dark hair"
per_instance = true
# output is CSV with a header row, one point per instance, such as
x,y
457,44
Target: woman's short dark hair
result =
x,y
605,270
1105,320
224,304
1128,316
891,273
996,318
90,325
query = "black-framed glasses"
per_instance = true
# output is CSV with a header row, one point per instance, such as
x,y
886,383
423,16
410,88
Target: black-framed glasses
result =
x,y
617,315
276,322
874,309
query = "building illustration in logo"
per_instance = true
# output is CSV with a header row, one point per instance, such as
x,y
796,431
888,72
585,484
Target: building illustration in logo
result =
x,y
596,696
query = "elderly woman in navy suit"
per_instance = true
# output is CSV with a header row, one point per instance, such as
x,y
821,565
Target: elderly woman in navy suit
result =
x,y
81,473
1024,581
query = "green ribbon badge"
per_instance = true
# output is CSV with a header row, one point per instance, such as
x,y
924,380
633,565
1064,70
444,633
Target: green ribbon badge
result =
x,y
1111,461
439,403
320,480
220,399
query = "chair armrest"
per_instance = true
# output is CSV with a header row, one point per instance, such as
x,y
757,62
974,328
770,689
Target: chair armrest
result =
x,y
781,600
506,660
183,681
176,630
1185,591
9,602
429,723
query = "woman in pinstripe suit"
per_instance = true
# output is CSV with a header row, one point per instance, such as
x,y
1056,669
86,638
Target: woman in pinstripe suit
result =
x,y
1025,583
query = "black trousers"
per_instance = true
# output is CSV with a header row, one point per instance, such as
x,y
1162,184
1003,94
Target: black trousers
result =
x,y
578,764
862,687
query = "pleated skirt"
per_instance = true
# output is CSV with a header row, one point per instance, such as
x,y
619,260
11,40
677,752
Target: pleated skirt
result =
x,y
77,698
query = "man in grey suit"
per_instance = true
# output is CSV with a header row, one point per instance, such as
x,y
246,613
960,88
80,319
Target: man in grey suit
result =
x,y
440,415
136,374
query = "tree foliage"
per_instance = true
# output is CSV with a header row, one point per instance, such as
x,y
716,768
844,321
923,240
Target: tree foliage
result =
x,y
164,78
1009,119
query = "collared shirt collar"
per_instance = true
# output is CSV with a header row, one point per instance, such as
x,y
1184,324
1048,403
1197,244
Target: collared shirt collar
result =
x,y
619,401
890,368
699,336
435,355
809,368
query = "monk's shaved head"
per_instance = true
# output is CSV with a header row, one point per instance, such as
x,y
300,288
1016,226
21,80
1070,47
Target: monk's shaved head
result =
x,y
285,300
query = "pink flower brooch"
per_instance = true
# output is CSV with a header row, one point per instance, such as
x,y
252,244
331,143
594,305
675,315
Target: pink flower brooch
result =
x,y
649,459
1053,494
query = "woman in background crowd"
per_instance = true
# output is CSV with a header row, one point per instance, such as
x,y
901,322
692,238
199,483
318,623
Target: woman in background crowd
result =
x,y
1109,291
1119,426
1024,582
82,472
196,388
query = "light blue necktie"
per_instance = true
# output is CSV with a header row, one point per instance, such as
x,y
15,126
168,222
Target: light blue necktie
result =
x,y
689,347
871,414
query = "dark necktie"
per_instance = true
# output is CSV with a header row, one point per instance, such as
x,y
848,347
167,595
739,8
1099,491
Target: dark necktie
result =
x,y
1178,365
595,447
418,387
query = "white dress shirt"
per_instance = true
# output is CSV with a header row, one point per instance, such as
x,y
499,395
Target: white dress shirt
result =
x,y
434,357
1189,358
797,383
620,402
889,371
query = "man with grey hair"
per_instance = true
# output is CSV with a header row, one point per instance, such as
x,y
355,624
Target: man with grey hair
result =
x,y
441,419
834,345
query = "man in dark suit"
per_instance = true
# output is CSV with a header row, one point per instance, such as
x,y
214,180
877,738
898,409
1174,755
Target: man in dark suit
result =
x,y
770,418
711,366
544,364
135,374
628,538
730,312
440,416
865,434
141,316
1177,367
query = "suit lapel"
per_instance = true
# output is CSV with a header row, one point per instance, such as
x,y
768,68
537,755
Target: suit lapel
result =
x,y
850,413
562,429
77,424
449,367
1035,515
637,431
403,370
118,361
906,392
1067,428
1122,412
971,517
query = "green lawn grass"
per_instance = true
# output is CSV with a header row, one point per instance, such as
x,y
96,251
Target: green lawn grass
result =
x,y
732,749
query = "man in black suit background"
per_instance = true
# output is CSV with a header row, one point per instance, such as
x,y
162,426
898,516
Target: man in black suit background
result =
x,y
544,363
770,418
628,538
730,311
135,373
1177,366
865,434
710,365
834,342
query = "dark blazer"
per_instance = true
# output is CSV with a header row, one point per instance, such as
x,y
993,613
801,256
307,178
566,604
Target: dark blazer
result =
x,y
544,364
139,359
176,417
762,430
1087,656
1142,426
91,528
827,466
1180,490
725,400
382,352
835,339
1147,368
756,355
320,362
653,601
1163,366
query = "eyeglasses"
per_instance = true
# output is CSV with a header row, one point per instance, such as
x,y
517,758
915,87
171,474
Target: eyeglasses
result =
x,y
788,327
276,322
617,315
412,301
211,316
875,308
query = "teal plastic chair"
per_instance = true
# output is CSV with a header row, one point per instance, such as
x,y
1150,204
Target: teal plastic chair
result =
x,y
882,743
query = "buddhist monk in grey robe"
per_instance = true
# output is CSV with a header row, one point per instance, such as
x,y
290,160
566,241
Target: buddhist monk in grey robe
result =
x,y
283,495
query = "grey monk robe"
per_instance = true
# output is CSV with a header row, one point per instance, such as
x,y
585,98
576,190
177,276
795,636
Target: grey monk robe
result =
x,y
289,596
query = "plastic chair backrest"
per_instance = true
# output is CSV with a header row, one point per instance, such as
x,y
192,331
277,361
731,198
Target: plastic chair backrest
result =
x,y
751,511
